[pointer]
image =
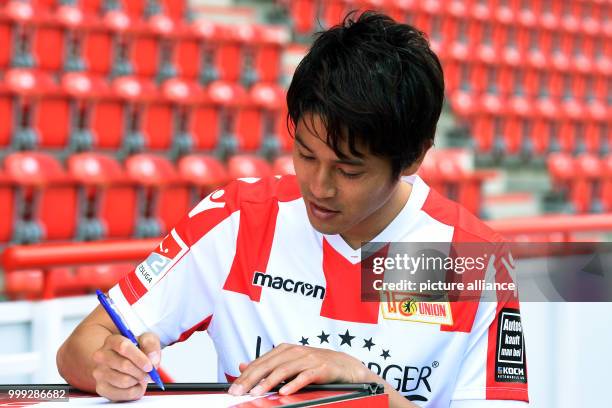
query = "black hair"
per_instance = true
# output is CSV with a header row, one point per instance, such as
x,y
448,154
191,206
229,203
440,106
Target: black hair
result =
x,y
373,82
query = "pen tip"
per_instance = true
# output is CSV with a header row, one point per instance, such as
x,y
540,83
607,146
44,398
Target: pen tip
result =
x,y
162,387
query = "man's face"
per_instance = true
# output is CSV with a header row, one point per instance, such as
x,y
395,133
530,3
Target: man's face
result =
x,y
355,197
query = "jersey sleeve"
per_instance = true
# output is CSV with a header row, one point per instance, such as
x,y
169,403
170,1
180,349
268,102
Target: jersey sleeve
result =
x,y
494,366
172,293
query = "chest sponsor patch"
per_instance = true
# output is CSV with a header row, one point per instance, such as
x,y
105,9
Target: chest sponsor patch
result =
x,y
403,306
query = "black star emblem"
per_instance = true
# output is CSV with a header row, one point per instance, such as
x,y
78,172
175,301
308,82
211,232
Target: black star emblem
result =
x,y
367,343
346,338
304,341
385,354
323,337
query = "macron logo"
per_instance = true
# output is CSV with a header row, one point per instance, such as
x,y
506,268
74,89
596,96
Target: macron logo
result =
x,y
288,285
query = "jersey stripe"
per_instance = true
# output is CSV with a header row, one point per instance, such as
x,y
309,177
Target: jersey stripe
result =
x,y
253,246
343,290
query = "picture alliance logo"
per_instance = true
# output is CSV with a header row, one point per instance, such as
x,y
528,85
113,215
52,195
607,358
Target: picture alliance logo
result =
x,y
288,285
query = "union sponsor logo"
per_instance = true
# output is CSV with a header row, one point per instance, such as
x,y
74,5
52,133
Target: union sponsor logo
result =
x,y
404,306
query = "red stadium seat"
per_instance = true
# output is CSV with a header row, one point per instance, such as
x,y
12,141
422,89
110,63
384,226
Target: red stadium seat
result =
x,y
5,39
117,118
257,120
58,39
7,208
106,46
333,12
214,121
283,165
562,170
102,185
203,173
196,51
20,17
303,14
32,100
152,48
548,14
162,198
83,92
607,186
268,59
590,176
243,165
46,197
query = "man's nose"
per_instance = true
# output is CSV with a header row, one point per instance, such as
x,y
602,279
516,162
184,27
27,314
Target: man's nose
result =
x,y
322,184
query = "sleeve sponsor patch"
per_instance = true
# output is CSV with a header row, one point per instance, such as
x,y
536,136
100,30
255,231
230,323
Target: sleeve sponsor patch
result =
x,y
169,251
510,348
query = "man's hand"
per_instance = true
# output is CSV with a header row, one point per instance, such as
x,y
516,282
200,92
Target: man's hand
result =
x,y
121,370
303,365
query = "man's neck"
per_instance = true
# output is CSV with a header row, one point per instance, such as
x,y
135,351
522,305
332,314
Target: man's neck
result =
x,y
381,218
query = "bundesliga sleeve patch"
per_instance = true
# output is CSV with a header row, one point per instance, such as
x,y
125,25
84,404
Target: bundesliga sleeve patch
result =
x,y
510,348
169,251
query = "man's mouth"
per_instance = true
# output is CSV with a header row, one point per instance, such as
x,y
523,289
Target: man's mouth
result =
x,y
322,212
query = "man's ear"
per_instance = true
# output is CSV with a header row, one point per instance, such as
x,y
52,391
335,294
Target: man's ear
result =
x,y
408,171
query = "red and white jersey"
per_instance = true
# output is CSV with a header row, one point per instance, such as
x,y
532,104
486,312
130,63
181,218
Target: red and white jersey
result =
x,y
247,266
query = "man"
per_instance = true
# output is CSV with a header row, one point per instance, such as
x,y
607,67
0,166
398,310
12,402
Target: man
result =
x,y
271,268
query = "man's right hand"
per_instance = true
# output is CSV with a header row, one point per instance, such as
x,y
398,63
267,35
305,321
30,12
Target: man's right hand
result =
x,y
121,368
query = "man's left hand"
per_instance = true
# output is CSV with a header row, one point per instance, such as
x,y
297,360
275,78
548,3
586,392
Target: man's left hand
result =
x,y
299,366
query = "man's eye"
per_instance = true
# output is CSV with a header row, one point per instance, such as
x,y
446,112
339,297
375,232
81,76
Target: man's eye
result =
x,y
303,156
349,175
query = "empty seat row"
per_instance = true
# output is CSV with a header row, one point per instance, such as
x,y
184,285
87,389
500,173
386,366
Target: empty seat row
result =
x,y
526,81
135,9
529,136
590,17
97,197
585,180
129,114
158,47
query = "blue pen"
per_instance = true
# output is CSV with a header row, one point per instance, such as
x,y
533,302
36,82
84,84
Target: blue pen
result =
x,y
109,306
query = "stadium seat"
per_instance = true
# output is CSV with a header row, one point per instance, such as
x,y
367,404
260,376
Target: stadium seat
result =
x,y
33,96
6,49
117,118
45,198
162,198
203,173
270,47
562,170
7,207
152,48
589,183
257,120
607,186
283,165
167,120
58,39
244,165
83,92
303,14
196,51
20,16
107,203
214,121
106,45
